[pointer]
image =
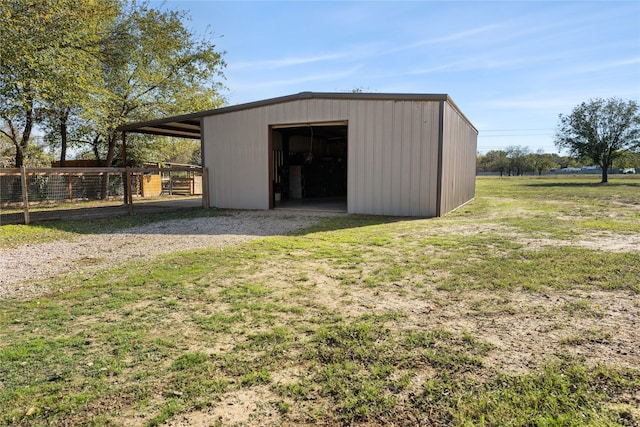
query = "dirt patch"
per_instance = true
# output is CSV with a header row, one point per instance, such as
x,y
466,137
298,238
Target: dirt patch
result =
x,y
607,242
254,406
22,266
525,328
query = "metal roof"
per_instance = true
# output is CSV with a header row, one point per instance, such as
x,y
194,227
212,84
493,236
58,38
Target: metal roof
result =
x,y
188,125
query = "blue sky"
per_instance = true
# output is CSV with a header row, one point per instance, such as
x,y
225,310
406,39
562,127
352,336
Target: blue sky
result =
x,y
511,66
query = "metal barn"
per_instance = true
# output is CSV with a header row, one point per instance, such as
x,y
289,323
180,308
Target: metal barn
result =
x,y
367,153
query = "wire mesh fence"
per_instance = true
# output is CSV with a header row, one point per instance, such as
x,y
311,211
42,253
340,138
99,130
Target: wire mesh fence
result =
x,y
28,195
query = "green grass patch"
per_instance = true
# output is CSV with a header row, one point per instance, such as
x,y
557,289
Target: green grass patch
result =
x,y
562,268
564,393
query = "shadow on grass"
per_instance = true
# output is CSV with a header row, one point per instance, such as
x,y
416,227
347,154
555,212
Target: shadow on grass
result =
x,y
349,221
95,210
110,221
229,222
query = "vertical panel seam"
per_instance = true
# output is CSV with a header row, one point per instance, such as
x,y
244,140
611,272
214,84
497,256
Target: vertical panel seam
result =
x,y
271,162
440,158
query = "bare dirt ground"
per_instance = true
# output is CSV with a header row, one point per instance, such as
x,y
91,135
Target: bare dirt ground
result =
x,y
524,327
24,270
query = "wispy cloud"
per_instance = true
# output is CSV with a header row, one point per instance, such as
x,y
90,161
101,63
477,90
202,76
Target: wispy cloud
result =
x,y
287,62
461,35
309,78
485,61
554,104
600,66
360,52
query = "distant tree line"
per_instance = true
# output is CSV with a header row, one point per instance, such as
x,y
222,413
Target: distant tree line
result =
x,y
72,71
518,160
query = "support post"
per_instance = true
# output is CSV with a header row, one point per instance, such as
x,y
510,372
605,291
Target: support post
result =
x,y
129,195
124,149
205,188
70,187
25,194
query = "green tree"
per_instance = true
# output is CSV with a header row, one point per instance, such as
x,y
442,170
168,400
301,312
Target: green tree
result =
x,y
496,161
7,152
175,150
542,162
35,155
518,160
480,162
629,160
601,130
81,68
154,66
48,52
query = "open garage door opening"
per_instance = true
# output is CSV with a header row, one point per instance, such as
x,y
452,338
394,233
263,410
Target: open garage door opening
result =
x,y
309,166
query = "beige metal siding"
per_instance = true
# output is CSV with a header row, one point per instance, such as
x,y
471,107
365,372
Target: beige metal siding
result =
x,y
429,161
458,160
235,152
393,157
392,152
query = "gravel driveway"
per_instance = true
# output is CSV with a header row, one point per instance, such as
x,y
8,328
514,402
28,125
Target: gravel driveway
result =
x,y
24,270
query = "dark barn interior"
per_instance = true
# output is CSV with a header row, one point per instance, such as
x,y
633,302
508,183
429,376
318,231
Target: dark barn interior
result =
x,y
309,165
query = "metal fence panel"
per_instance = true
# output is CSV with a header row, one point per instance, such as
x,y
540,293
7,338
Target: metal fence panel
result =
x,y
54,193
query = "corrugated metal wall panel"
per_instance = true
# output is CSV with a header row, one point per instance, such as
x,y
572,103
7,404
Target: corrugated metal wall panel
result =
x,y
355,159
307,111
417,136
371,169
405,165
450,141
396,159
393,152
378,145
429,164
384,129
237,159
459,160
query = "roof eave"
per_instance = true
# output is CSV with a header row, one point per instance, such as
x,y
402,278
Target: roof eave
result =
x,y
195,117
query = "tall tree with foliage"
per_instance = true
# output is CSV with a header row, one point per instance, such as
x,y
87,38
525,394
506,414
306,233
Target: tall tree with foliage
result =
x,y
518,160
541,161
49,54
495,161
154,66
601,130
81,68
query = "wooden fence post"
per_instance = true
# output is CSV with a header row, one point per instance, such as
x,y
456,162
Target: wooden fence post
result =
x,y
129,200
205,188
70,187
25,194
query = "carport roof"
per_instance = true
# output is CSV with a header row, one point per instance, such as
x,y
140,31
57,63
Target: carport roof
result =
x,y
188,125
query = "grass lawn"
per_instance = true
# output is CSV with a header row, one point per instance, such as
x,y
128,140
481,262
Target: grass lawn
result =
x,y
522,308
